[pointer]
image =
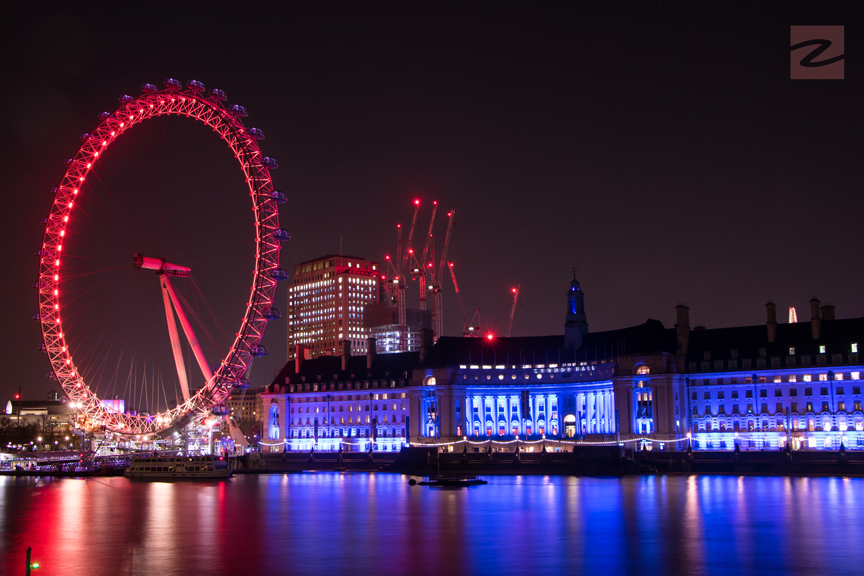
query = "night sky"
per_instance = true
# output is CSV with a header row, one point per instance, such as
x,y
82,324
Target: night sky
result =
x,y
660,148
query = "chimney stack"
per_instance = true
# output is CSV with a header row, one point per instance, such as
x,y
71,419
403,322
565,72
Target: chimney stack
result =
x,y
682,328
346,353
299,357
772,321
370,353
815,318
828,312
425,343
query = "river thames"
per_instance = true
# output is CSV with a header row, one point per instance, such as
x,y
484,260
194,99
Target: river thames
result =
x,y
330,523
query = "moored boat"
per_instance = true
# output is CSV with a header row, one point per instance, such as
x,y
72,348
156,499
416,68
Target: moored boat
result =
x,y
450,481
179,468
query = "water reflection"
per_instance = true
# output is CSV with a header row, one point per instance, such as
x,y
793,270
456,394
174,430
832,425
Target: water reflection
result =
x,y
362,524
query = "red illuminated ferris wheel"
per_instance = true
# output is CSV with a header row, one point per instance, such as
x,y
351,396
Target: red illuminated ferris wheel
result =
x,y
220,379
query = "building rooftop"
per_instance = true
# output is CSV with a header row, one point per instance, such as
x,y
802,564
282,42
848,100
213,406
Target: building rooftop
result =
x,y
326,256
383,366
651,336
836,335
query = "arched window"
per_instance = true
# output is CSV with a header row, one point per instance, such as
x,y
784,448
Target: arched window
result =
x,y
643,369
273,428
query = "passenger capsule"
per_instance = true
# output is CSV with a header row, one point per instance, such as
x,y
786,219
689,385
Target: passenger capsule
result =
x,y
259,351
269,162
238,111
279,274
278,197
272,314
220,410
173,84
256,133
104,115
149,88
195,86
125,99
281,235
218,95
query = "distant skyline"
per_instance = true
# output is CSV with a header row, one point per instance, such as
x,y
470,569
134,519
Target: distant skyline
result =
x,y
661,149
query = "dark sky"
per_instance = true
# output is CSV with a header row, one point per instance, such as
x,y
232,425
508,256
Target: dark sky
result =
x,y
661,148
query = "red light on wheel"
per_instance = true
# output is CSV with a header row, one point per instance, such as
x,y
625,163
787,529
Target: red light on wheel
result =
x,y
416,202
490,336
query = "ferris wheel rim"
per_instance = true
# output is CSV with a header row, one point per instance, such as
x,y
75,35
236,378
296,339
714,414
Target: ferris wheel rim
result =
x,y
172,101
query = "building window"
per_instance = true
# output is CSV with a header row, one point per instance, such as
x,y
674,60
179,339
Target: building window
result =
x,y
734,394
707,395
643,369
841,406
809,407
854,347
856,390
763,393
823,391
822,349
778,393
824,407
857,405
808,378
794,408
856,375
791,350
695,396
748,393
793,392
720,395
808,391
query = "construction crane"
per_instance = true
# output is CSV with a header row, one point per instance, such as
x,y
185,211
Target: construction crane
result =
x,y
469,327
398,269
421,266
437,279
515,292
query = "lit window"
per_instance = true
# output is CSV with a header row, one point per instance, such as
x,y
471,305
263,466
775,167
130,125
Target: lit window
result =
x,y
643,369
821,349
807,378
856,375
854,347
791,350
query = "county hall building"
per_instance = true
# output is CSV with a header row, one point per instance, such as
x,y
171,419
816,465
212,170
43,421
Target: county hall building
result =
x,y
756,387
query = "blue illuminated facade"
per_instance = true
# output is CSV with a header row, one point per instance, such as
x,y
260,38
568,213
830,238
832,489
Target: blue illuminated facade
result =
x,y
755,387
766,386
329,403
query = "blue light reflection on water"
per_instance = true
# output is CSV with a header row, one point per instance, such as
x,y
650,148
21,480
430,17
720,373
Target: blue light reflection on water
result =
x,y
375,523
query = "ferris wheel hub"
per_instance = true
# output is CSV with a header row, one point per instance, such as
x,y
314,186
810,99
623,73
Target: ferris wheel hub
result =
x,y
160,265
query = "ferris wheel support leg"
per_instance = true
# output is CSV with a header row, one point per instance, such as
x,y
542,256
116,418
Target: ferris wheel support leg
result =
x,y
175,341
190,334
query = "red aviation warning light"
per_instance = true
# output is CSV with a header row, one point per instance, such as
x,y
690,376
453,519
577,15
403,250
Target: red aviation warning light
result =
x,y
490,336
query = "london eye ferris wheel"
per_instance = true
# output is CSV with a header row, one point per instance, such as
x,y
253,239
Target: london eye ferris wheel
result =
x,y
106,305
